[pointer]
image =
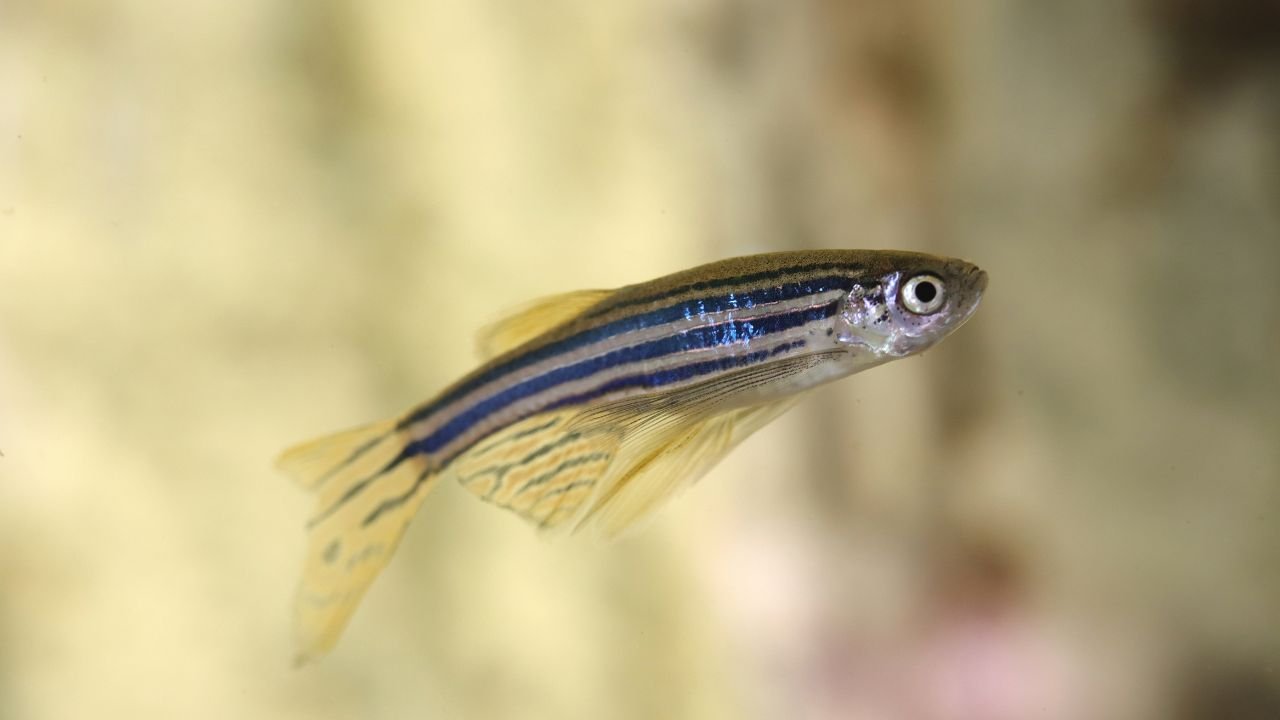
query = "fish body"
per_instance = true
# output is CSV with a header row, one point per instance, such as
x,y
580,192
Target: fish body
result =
x,y
596,406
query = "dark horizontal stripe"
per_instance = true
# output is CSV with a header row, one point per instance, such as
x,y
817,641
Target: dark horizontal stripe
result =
x,y
564,489
355,455
675,375
703,285
567,464
788,347
500,470
679,311
520,435
351,492
724,333
640,380
694,339
392,503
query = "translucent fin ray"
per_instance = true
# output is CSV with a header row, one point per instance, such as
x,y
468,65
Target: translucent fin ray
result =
x,y
365,497
537,468
651,469
533,319
611,466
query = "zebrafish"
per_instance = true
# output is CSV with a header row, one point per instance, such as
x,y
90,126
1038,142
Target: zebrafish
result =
x,y
596,406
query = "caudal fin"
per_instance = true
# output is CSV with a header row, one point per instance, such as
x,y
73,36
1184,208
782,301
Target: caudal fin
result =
x,y
367,493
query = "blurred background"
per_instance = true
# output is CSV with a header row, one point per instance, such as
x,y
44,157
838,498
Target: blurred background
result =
x,y
229,226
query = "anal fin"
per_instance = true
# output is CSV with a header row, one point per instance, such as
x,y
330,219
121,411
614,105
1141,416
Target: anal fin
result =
x,y
609,466
669,440
538,468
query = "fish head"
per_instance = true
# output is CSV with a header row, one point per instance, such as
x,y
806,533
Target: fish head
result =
x,y
907,303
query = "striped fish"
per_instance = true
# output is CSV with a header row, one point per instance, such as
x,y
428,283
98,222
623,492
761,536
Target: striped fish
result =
x,y
596,406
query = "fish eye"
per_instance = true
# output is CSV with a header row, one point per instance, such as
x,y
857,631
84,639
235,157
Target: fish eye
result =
x,y
923,294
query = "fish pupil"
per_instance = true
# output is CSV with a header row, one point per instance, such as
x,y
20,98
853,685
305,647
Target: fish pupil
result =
x,y
926,291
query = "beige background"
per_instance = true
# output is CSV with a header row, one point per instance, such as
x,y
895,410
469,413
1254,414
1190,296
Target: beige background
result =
x,y
229,226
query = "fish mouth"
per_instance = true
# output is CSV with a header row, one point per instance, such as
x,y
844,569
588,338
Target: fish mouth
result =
x,y
979,280
975,284
973,278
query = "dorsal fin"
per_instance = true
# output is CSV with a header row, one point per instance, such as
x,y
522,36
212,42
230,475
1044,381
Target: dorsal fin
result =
x,y
533,319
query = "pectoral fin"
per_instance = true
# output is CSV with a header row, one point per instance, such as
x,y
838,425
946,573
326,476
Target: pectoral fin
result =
x,y
652,469
668,440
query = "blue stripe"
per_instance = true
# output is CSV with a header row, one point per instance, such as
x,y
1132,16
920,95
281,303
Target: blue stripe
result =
x,y
673,375
684,310
695,339
730,281
646,380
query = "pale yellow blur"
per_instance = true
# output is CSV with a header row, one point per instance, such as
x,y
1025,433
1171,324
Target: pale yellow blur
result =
x,y
226,227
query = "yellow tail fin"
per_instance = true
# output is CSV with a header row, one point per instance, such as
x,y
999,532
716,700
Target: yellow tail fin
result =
x,y
366,496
